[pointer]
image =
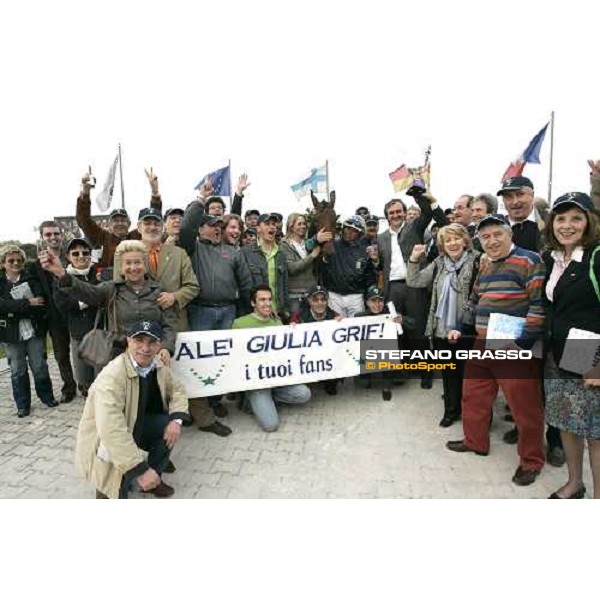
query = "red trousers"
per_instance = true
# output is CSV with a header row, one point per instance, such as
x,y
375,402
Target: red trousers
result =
x,y
523,396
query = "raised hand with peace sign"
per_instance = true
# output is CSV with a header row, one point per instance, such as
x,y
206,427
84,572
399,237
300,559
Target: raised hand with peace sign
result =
x,y
153,181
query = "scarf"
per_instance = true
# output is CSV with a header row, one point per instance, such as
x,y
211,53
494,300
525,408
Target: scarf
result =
x,y
71,270
447,302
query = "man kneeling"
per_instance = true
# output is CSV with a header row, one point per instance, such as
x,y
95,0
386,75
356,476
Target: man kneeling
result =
x,y
263,401
132,419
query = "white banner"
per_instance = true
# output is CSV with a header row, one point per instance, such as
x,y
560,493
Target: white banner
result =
x,y
217,362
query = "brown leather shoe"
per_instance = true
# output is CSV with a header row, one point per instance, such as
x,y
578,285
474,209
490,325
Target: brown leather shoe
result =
x,y
162,490
524,476
460,446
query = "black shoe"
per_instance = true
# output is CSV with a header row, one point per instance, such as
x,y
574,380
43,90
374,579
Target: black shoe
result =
x,y
244,405
170,468
426,384
509,418
460,446
331,388
220,410
51,404
386,394
524,476
217,428
578,495
162,490
511,437
446,422
555,456
66,398
22,412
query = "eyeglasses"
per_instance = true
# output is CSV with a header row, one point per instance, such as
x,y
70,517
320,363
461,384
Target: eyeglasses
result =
x,y
76,253
14,261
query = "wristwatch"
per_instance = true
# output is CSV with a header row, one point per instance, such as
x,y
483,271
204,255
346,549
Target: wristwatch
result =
x,y
179,421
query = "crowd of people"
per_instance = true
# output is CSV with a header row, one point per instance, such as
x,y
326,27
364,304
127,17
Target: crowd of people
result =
x,y
197,268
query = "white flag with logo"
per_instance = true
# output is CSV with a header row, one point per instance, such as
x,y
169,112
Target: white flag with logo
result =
x,y
104,197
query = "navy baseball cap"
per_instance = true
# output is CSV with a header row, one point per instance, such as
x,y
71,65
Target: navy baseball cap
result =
x,y
578,199
151,328
78,242
374,292
209,220
317,289
118,212
268,217
149,213
174,211
252,211
495,219
514,183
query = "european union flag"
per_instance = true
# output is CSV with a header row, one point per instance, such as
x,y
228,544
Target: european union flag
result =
x,y
221,180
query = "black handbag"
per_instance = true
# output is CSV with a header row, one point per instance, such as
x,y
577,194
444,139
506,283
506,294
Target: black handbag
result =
x,y
96,346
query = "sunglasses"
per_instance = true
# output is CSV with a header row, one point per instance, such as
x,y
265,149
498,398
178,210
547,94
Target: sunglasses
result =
x,y
77,253
14,261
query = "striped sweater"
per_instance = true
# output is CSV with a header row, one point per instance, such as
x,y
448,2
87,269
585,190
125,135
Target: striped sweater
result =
x,y
511,286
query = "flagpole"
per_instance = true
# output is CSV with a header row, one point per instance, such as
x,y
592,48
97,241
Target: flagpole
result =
x,y
230,196
327,180
551,156
121,177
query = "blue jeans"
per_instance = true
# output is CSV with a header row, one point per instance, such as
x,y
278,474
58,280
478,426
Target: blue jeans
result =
x,y
210,318
263,402
18,355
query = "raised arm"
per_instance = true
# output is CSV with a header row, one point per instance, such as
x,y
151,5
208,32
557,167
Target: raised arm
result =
x,y
417,274
91,229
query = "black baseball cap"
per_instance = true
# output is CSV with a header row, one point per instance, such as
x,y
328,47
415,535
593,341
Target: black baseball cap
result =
x,y
209,220
362,210
317,289
371,219
151,328
149,213
278,216
78,242
174,211
118,212
268,217
252,211
494,219
578,199
250,231
514,183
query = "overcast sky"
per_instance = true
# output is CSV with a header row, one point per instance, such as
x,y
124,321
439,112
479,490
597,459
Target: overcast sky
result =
x,y
278,89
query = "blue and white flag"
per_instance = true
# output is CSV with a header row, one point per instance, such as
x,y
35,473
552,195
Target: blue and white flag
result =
x,y
221,181
316,180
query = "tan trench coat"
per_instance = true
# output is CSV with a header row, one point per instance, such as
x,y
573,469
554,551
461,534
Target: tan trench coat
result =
x,y
108,420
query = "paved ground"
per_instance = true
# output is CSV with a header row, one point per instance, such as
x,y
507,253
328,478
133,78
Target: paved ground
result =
x,y
353,445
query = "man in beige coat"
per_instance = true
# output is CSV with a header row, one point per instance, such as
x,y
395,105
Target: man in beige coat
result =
x,y
131,420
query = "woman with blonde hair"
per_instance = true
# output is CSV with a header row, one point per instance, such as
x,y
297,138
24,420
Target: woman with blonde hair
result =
x,y
128,301
451,276
300,254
